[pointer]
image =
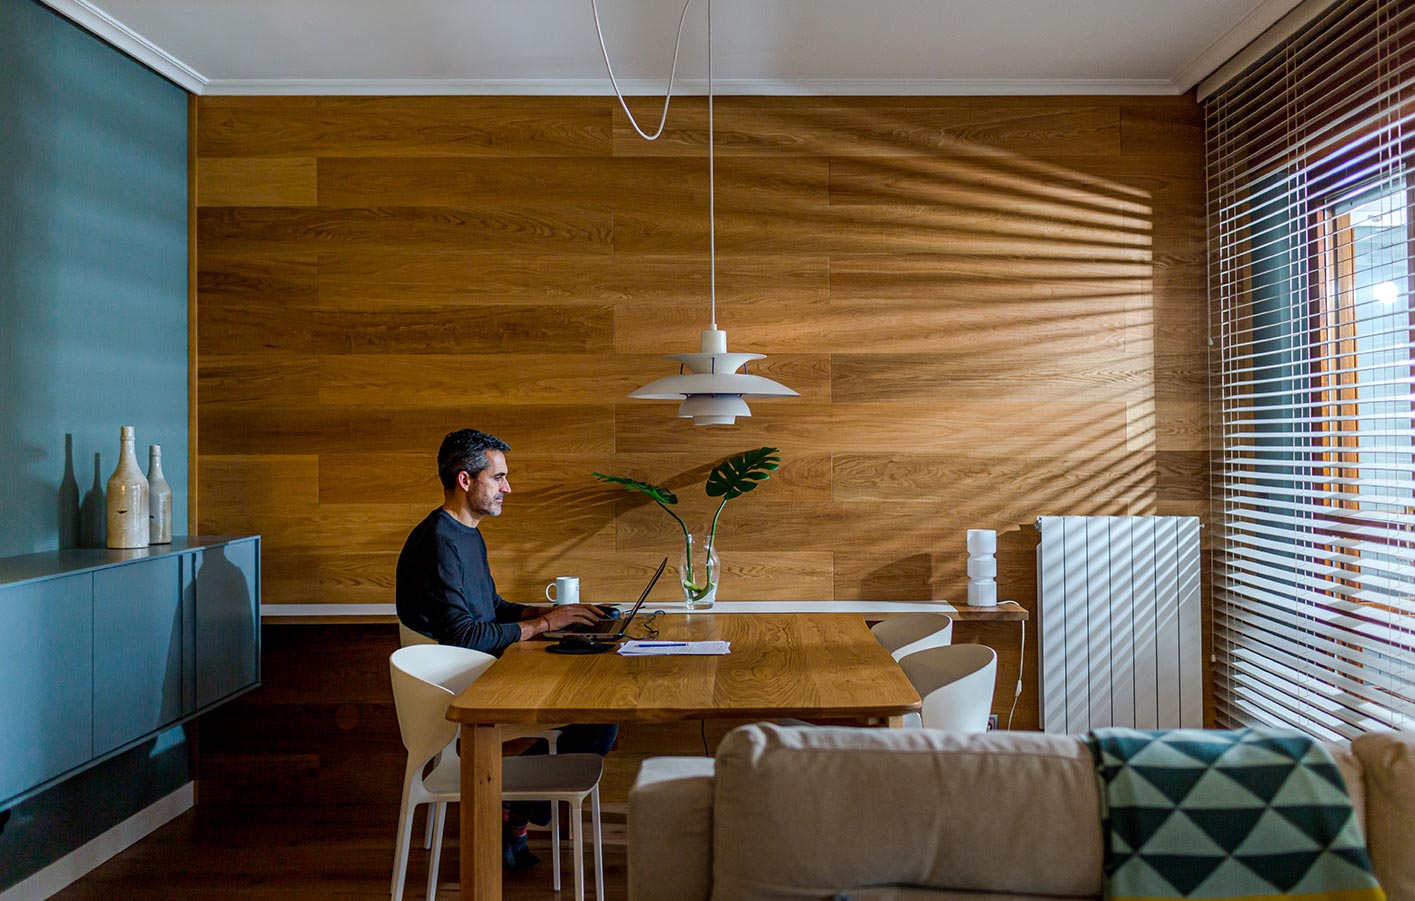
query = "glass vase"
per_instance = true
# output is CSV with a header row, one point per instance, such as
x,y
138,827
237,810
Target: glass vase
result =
x,y
700,570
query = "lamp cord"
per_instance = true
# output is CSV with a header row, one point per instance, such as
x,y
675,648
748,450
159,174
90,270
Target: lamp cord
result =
x,y
672,73
712,181
667,97
1021,662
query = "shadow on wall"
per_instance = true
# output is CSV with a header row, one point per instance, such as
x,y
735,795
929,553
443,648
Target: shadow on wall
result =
x,y
965,292
93,513
82,523
70,529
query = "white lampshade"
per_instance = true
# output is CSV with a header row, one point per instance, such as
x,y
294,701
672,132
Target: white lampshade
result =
x,y
713,392
677,387
713,409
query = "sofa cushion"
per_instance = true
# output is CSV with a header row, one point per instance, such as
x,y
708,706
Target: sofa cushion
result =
x,y
670,829
1388,760
909,893
808,813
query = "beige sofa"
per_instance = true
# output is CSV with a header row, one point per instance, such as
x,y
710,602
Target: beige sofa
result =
x,y
876,814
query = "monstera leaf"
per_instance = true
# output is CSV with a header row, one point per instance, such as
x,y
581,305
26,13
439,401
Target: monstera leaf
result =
x,y
737,475
731,478
660,495
657,492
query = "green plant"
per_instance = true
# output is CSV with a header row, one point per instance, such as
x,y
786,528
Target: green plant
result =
x,y
729,479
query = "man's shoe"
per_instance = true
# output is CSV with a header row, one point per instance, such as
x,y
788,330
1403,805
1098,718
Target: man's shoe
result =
x,y
515,853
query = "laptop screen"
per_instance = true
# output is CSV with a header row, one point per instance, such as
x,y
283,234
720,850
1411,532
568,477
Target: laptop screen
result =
x,y
615,628
643,596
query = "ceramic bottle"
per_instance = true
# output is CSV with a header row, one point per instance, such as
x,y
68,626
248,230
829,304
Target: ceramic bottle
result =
x,y
127,499
159,498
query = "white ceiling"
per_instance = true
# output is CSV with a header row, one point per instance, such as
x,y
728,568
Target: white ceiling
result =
x,y
759,46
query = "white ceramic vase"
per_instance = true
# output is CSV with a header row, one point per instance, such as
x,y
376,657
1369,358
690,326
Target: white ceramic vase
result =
x,y
159,498
127,499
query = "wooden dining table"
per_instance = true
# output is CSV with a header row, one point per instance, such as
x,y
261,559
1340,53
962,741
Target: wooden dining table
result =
x,y
806,665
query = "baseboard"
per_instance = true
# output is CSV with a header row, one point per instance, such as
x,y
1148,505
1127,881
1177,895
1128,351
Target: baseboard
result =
x,y
93,854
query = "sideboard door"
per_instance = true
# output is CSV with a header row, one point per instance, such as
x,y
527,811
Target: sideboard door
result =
x,y
46,680
226,601
137,653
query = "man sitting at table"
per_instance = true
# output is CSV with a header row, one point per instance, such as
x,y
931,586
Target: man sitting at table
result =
x,y
445,591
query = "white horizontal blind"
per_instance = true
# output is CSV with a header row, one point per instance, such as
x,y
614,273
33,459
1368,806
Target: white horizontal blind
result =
x,y
1311,181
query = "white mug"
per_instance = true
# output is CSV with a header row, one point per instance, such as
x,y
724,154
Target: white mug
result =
x,y
567,591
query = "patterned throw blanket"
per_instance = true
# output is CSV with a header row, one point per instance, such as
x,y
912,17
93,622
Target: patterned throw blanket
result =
x,y
1235,815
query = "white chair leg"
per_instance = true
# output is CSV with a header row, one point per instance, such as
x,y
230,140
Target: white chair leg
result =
x,y
555,842
427,830
577,830
401,843
598,846
436,858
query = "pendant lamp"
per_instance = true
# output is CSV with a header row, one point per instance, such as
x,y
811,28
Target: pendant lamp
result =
x,y
712,391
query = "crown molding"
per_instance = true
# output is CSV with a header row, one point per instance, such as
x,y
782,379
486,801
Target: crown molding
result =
x,y
107,28
1289,25
1229,44
854,87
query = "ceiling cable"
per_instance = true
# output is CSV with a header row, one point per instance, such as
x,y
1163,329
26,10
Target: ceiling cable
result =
x,y
713,392
672,73
712,193
667,97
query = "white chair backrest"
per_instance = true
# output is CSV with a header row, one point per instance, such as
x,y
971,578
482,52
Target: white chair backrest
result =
x,y
903,635
426,678
956,683
407,637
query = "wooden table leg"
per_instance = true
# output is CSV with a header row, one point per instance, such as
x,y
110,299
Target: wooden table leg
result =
x,y
895,722
481,812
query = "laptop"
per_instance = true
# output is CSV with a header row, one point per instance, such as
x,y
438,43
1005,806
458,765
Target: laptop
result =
x,y
615,629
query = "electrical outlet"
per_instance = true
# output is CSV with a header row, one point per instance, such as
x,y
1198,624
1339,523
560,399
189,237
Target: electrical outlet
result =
x,y
992,722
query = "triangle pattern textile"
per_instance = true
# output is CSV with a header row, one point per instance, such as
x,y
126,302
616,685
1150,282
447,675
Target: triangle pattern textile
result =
x,y
1210,815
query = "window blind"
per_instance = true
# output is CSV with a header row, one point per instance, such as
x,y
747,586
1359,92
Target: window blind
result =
x,y
1310,157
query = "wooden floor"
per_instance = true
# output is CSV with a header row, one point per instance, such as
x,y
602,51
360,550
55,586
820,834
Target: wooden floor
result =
x,y
234,852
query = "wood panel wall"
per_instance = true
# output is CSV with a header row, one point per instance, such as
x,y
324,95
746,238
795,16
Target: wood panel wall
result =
x,y
993,309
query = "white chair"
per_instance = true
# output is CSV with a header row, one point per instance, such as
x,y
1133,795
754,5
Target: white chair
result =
x,y
426,678
408,638
956,683
903,635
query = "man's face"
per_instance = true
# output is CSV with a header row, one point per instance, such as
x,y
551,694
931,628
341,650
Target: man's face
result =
x,y
485,492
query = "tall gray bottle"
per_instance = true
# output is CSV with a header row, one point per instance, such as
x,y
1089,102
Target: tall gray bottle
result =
x,y
159,498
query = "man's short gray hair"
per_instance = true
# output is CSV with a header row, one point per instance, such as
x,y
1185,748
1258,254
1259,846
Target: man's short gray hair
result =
x,y
465,451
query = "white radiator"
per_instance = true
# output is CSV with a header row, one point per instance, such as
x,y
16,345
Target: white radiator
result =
x,y
1118,607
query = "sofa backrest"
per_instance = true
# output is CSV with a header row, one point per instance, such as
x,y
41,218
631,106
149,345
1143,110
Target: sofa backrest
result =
x,y
801,813
1388,765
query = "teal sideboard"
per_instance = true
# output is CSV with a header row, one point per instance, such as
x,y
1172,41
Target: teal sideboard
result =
x,y
103,649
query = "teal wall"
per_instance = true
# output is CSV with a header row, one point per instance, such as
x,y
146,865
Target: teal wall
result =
x,y
93,271
93,336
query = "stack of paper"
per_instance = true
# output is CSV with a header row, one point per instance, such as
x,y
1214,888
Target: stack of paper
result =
x,y
673,648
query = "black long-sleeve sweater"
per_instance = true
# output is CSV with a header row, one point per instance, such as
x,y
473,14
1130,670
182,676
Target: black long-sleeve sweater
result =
x,y
445,590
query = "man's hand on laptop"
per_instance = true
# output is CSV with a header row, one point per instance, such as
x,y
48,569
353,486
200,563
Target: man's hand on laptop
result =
x,y
560,617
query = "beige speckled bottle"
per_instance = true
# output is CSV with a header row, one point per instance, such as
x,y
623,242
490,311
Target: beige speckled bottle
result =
x,y
159,498
127,499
